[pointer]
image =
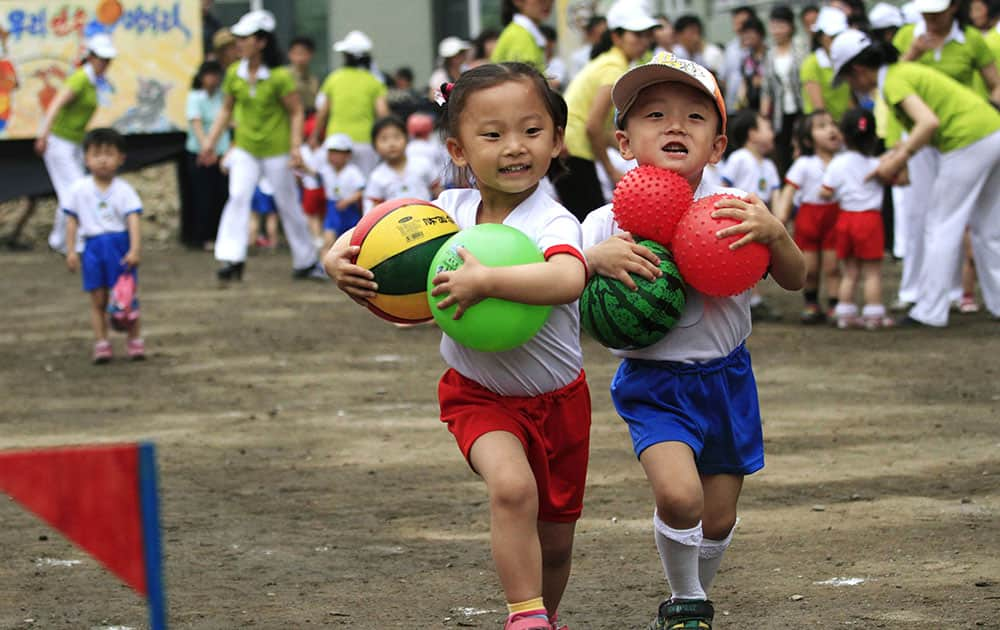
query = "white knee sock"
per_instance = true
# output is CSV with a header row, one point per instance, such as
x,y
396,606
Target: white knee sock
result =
x,y
710,557
679,554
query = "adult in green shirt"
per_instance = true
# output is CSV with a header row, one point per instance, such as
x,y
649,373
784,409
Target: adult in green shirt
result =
x,y
816,72
521,38
590,123
261,97
351,99
936,110
64,125
938,40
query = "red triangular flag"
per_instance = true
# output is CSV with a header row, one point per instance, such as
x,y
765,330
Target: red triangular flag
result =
x,y
91,495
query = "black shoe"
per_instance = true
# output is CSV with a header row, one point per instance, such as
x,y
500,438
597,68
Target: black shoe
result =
x,y
230,271
909,322
312,272
684,614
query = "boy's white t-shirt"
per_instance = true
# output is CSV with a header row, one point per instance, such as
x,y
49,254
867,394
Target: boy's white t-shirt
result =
x,y
845,176
806,176
340,184
709,328
744,171
552,359
101,212
386,183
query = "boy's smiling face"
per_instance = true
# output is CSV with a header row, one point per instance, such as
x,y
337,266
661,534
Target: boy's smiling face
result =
x,y
673,126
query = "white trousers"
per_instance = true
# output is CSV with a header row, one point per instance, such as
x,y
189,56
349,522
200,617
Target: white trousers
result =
x,y
64,162
966,193
923,169
244,172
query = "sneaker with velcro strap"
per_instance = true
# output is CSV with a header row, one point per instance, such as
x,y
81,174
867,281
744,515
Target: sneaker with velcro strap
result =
x,y
684,614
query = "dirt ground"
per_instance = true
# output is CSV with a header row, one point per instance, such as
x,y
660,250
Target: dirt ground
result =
x,y
307,482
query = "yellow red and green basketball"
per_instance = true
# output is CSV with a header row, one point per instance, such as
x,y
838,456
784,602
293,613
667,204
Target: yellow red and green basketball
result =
x,y
398,241
620,318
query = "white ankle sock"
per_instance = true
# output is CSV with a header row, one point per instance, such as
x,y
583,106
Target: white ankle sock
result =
x,y
710,557
679,554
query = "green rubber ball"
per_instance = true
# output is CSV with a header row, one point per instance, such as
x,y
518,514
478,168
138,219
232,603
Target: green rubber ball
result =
x,y
493,325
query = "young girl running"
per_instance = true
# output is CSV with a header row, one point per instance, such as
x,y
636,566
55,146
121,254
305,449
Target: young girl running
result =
x,y
397,175
818,139
860,238
521,417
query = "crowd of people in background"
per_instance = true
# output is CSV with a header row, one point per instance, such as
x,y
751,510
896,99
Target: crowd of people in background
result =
x,y
269,142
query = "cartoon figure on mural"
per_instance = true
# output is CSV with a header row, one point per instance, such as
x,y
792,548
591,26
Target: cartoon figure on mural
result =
x,y
148,115
8,82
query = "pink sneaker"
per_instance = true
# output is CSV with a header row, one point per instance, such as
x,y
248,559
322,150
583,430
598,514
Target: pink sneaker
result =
x,y
968,305
527,623
876,322
554,623
136,349
102,351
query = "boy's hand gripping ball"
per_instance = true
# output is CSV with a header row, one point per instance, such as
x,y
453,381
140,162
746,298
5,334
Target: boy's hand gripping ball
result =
x,y
706,262
648,202
492,325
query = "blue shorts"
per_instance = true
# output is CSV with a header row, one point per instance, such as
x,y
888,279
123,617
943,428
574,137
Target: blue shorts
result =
x,y
712,407
261,203
101,260
339,221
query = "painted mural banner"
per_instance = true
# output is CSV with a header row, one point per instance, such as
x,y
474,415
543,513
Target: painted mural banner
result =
x,y
42,43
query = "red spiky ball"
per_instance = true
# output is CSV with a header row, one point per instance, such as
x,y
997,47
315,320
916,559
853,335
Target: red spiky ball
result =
x,y
648,202
706,262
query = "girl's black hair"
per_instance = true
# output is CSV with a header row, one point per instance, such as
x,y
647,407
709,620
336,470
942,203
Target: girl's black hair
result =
x,y
493,74
271,56
388,121
207,67
507,11
604,44
875,56
738,129
484,36
992,9
804,131
754,24
358,61
858,128
783,13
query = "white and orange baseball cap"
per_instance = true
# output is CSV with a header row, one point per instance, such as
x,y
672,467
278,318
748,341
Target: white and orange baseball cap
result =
x,y
665,67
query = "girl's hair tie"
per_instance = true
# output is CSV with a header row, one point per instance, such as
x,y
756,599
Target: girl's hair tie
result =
x,y
862,124
444,92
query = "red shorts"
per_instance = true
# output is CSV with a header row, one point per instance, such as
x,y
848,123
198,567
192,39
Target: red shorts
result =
x,y
860,235
314,202
554,429
815,227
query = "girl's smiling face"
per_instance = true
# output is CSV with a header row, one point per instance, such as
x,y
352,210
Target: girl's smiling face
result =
x,y
506,137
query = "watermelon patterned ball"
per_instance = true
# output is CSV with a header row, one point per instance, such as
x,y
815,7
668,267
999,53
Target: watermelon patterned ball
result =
x,y
648,201
620,318
706,262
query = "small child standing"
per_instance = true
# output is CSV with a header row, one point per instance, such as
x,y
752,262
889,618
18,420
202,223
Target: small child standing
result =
x,y
860,235
343,185
313,200
104,210
819,140
690,400
521,417
397,175
748,169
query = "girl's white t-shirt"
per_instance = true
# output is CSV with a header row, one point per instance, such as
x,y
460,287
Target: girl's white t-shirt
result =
x,y
845,176
552,359
806,175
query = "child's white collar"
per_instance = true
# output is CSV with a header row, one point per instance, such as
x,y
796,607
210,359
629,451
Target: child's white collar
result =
x,y
955,34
